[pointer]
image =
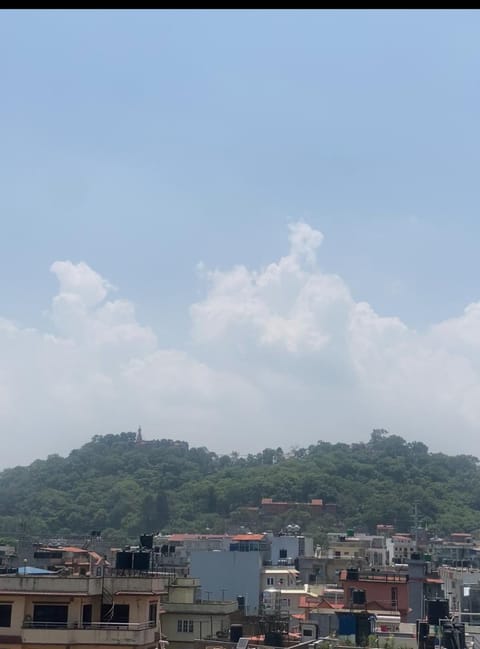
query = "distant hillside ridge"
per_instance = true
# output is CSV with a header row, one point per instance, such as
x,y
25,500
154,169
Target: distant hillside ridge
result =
x,y
123,486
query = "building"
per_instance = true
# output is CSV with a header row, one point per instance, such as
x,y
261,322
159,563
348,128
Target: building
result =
x,y
80,611
374,549
459,550
7,557
462,589
404,588
287,548
172,552
188,616
386,589
270,507
326,570
77,561
234,572
279,577
403,548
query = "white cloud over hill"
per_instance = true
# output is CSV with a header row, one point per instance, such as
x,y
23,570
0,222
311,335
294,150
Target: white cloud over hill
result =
x,y
278,356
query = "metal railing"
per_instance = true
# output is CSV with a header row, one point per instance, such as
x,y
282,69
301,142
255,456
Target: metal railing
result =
x,y
105,626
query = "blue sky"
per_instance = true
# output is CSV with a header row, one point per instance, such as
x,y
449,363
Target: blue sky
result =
x,y
144,142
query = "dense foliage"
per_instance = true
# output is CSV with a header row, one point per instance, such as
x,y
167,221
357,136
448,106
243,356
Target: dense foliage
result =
x,y
115,485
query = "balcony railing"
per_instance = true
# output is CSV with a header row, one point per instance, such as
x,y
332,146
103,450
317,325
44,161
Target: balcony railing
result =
x,y
104,626
94,634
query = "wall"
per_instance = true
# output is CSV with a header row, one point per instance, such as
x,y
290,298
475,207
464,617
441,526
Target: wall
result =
x,y
203,626
293,546
226,575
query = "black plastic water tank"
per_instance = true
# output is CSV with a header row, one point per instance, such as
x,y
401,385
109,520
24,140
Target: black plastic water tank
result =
x,y
236,632
273,639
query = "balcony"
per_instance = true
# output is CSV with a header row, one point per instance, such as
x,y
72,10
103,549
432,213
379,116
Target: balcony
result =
x,y
50,584
104,633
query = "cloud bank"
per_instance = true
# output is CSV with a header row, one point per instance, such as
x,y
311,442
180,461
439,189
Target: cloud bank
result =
x,y
278,356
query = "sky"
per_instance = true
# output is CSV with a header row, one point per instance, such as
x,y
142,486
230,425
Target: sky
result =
x,y
242,229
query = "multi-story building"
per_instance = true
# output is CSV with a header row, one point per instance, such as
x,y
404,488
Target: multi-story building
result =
x,y
458,550
188,616
374,549
80,611
235,572
279,577
462,589
403,548
404,588
287,548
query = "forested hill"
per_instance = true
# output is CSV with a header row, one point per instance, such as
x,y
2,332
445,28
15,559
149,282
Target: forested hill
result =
x,y
113,484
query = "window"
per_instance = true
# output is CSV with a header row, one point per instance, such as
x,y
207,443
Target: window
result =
x,y
5,614
282,554
152,612
50,616
184,626
270,581
87,614
394,597
118,614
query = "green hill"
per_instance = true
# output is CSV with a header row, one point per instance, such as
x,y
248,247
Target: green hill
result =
x,y
115,485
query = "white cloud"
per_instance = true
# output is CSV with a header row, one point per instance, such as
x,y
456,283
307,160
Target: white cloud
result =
x,y
281,355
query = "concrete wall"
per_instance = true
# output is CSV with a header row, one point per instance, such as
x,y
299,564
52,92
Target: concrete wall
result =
x,y
226,575
293,546
204,626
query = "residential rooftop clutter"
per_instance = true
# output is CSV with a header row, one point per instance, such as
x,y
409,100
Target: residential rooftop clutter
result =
x,y
77,610
275,587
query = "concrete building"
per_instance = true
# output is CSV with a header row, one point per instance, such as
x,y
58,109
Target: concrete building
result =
x,y
458,550
403,588
403,548
462,589
188,617
286,548
77,561
279,577
80,611
374,549
324,570
387,590
236,572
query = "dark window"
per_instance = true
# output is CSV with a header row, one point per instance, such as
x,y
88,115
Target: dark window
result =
x,y
87,614
50,616
152,612
47,554
119,614
307,632
179,626
5,614
282,554
394,597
